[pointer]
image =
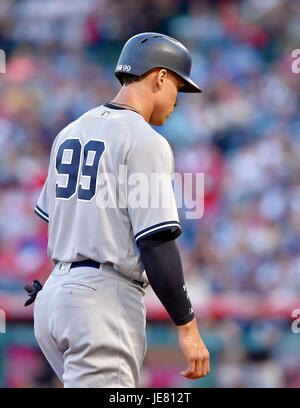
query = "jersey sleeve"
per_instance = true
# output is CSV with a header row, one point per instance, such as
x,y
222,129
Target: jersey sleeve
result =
x,y
42,206
150,197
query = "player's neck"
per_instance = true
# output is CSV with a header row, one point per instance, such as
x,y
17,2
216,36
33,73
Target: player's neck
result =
x,y
139,99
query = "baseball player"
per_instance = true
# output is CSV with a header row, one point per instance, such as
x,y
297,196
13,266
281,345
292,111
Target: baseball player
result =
x,y
89,317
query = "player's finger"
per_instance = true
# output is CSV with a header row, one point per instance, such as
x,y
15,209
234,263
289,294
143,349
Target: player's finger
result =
x,y
208,364
189,372
198,369
205,367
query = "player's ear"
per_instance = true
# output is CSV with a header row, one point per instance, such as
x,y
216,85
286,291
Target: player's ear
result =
x,y
161,78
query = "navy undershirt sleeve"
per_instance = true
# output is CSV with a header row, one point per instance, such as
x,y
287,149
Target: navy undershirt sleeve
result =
x,y
163,266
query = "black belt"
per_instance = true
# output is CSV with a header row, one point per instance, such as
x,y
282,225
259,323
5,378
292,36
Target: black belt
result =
x,y
87,262
95,264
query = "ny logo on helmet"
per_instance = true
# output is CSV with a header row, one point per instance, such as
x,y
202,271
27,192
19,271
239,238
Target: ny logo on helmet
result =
x,y
126,68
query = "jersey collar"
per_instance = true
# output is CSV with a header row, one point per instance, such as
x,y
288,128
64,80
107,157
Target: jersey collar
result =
x,y
113,106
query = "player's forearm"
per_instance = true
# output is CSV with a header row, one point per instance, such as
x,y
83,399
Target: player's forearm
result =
x,y
163,266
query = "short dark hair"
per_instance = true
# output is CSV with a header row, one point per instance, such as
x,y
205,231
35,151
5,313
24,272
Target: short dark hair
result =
x,y
129,79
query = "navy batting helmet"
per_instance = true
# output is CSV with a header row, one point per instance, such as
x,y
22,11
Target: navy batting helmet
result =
x,y
146,51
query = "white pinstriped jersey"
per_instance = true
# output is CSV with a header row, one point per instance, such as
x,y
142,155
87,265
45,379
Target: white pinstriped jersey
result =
x,y
84,173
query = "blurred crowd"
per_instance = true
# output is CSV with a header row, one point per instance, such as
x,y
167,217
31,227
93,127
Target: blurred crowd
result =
x,y
242,132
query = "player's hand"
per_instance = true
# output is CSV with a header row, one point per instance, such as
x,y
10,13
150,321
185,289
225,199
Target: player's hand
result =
x,y
32,291
194,351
